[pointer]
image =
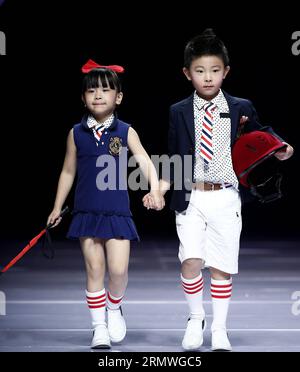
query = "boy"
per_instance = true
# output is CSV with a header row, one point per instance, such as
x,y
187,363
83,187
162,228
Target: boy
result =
x,y
208,206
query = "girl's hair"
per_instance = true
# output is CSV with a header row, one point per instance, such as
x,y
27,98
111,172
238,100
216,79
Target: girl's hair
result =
x,y
205,44
101,77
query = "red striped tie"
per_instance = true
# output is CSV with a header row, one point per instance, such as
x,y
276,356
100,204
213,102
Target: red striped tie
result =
x,y
206,151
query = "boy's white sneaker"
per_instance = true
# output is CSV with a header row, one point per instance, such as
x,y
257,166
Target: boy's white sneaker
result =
x,y
193,337
219,340
101,338
116,325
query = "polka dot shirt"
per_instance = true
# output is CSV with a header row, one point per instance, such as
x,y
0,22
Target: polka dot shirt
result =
x,y
98,128
220,168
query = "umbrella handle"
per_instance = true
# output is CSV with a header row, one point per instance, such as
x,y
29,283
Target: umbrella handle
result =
x,y
62,213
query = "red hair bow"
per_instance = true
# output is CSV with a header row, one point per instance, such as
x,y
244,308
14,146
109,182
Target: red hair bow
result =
x,y
91,65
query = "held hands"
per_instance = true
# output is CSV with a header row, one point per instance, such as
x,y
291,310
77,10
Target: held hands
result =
x,y
286,153
54,216
154,200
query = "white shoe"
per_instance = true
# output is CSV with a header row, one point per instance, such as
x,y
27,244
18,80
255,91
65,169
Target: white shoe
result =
x,y
116,325
193,337
100,338
219,340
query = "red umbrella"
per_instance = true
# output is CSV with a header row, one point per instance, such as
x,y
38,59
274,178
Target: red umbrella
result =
x,y
32,242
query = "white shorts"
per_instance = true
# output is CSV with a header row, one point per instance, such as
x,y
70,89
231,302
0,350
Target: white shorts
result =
x,y
210,229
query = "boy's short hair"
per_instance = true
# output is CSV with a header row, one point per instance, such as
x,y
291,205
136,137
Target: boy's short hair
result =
x,y
205,44
103,77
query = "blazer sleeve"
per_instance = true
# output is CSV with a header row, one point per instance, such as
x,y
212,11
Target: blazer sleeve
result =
x,y
172,142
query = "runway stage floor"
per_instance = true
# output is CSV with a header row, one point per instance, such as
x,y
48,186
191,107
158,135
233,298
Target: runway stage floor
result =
x,y
46,311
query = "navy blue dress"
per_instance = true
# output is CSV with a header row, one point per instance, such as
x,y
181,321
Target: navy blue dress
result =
x,y
101,204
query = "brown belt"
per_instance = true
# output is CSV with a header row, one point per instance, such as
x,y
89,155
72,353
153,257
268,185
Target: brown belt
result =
x,y
207,186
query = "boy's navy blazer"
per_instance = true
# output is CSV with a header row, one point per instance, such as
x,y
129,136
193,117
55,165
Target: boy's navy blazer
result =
x,y
181,141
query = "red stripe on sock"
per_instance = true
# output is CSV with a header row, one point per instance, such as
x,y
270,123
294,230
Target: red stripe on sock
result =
x,y
221,286
194,286
96,307
96,302
95,298
217,291
113,301
198,290
191,284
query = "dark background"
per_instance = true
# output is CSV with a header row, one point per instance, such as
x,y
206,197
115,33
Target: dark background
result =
x,y
47,43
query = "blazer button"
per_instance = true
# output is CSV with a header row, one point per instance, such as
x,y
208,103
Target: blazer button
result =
x,y
191,150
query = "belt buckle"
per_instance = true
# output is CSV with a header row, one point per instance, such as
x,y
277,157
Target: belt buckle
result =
x,y
212,186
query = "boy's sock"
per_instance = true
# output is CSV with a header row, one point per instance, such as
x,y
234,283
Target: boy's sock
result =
x,y
220,293
193,290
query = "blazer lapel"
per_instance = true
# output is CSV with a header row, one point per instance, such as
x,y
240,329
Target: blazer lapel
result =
x,y
188,115
234,114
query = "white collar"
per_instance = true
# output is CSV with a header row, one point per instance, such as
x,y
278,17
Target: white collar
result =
x,y
93,123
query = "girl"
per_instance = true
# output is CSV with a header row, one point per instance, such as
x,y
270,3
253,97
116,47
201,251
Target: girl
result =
x,y
101,218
